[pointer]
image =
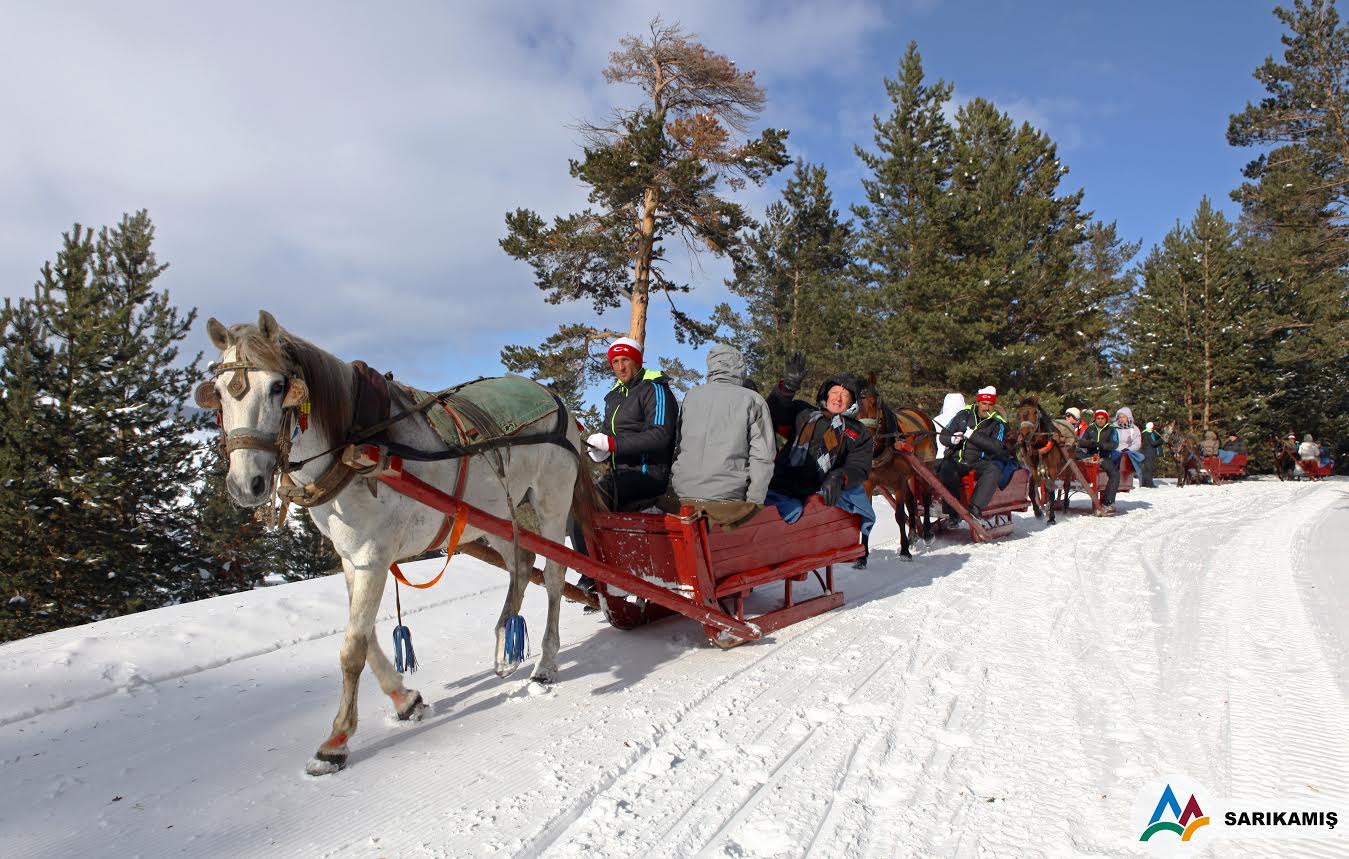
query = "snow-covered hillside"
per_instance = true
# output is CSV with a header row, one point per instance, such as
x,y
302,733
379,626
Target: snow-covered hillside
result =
x,y
1000,700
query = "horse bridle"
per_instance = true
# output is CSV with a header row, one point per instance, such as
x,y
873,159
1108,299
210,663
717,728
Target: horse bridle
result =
x,y
251,438
1026,425
877,425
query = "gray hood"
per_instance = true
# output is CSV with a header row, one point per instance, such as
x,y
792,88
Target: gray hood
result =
x,y
725,364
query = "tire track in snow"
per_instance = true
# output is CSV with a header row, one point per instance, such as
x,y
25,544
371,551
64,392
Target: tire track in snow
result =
x,y
717,701
686,804
1286,700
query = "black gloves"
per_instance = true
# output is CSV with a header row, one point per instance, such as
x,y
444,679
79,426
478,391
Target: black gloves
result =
x,y
794,373
832,487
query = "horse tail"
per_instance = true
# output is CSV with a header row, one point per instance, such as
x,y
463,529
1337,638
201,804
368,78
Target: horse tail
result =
x,y
585,496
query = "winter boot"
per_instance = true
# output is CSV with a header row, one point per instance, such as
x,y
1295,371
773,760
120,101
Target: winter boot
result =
x,y
866,552
978,516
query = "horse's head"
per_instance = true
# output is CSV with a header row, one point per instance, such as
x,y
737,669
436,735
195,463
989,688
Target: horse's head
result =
x,y
1029,416
256,393
871,409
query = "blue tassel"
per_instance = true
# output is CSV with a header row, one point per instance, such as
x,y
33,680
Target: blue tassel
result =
x,y
517,639
402,642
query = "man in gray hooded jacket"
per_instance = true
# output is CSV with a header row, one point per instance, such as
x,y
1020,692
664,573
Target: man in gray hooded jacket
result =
x,y
726,446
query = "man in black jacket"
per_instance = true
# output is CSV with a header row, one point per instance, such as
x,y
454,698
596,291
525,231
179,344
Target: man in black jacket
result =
x,y
1099,442
828,450
975,440
640,416
1152,451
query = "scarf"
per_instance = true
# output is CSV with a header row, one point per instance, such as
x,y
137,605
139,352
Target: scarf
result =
x,y
830,442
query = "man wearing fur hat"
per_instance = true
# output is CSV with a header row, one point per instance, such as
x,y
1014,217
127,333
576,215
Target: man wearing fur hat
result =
x,y
975,441
828,450
1100,440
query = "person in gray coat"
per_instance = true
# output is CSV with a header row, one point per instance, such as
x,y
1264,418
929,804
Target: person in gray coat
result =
x,y
726,446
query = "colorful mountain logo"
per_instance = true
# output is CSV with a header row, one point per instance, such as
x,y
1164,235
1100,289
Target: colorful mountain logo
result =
x,y
1186,822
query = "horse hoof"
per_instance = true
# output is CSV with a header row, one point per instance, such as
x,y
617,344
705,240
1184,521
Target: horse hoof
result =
x,y
505,670
542,679
1039,514
414,711
325,763
905,556
861,564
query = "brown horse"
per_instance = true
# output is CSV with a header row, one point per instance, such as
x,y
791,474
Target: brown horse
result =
x,y
1037,451
894,430
1285,460
1185,449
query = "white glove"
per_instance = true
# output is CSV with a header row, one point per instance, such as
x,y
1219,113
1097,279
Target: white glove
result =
x,y
600,445
957,438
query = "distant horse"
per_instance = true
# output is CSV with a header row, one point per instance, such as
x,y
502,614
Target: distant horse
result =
x,y
895,429
1037,451
278,396
1185,448
1285,460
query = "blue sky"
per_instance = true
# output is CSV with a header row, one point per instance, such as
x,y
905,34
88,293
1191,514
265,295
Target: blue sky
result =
x,y
348,166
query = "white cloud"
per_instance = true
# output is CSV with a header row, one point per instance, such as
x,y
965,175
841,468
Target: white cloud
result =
x,y
345,165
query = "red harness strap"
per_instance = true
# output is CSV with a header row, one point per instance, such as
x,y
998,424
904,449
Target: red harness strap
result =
x,y
452,525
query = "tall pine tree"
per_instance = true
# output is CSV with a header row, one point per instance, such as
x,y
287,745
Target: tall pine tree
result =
x,y
1191,355
656,171
1294,206
1014,239
905,239
794,278
95,520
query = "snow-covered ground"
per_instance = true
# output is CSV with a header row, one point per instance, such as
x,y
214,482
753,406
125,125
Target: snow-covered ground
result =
x,y
1000,700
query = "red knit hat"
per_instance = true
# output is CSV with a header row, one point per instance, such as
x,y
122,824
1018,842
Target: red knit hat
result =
x,y
1101,412
987,395
625,347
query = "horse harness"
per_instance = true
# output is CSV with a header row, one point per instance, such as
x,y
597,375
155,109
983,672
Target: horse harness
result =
x,y
371,419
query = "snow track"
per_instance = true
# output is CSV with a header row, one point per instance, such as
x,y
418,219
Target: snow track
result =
x,y
994,700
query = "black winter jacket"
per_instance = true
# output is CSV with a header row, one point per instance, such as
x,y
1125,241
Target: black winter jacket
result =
x,y
642,419
1105,440
1153,439
984,439
790,416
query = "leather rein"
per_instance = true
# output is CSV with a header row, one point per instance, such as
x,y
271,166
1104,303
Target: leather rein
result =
x,y
344,467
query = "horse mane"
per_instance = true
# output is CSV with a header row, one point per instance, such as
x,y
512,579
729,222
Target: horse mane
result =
x,y
328,377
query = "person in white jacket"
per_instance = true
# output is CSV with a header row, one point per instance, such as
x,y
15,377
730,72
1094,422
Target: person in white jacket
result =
x,y
1130,438
1309,449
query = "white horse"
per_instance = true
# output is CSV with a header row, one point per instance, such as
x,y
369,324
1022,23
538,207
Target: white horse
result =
x,y
265,374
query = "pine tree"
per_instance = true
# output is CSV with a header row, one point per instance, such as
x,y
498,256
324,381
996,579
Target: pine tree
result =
x,y
1014,238
103,528
794,277
1101,284
1191,356
306,553
1294,207
30,444
234,551
655,172
905,239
